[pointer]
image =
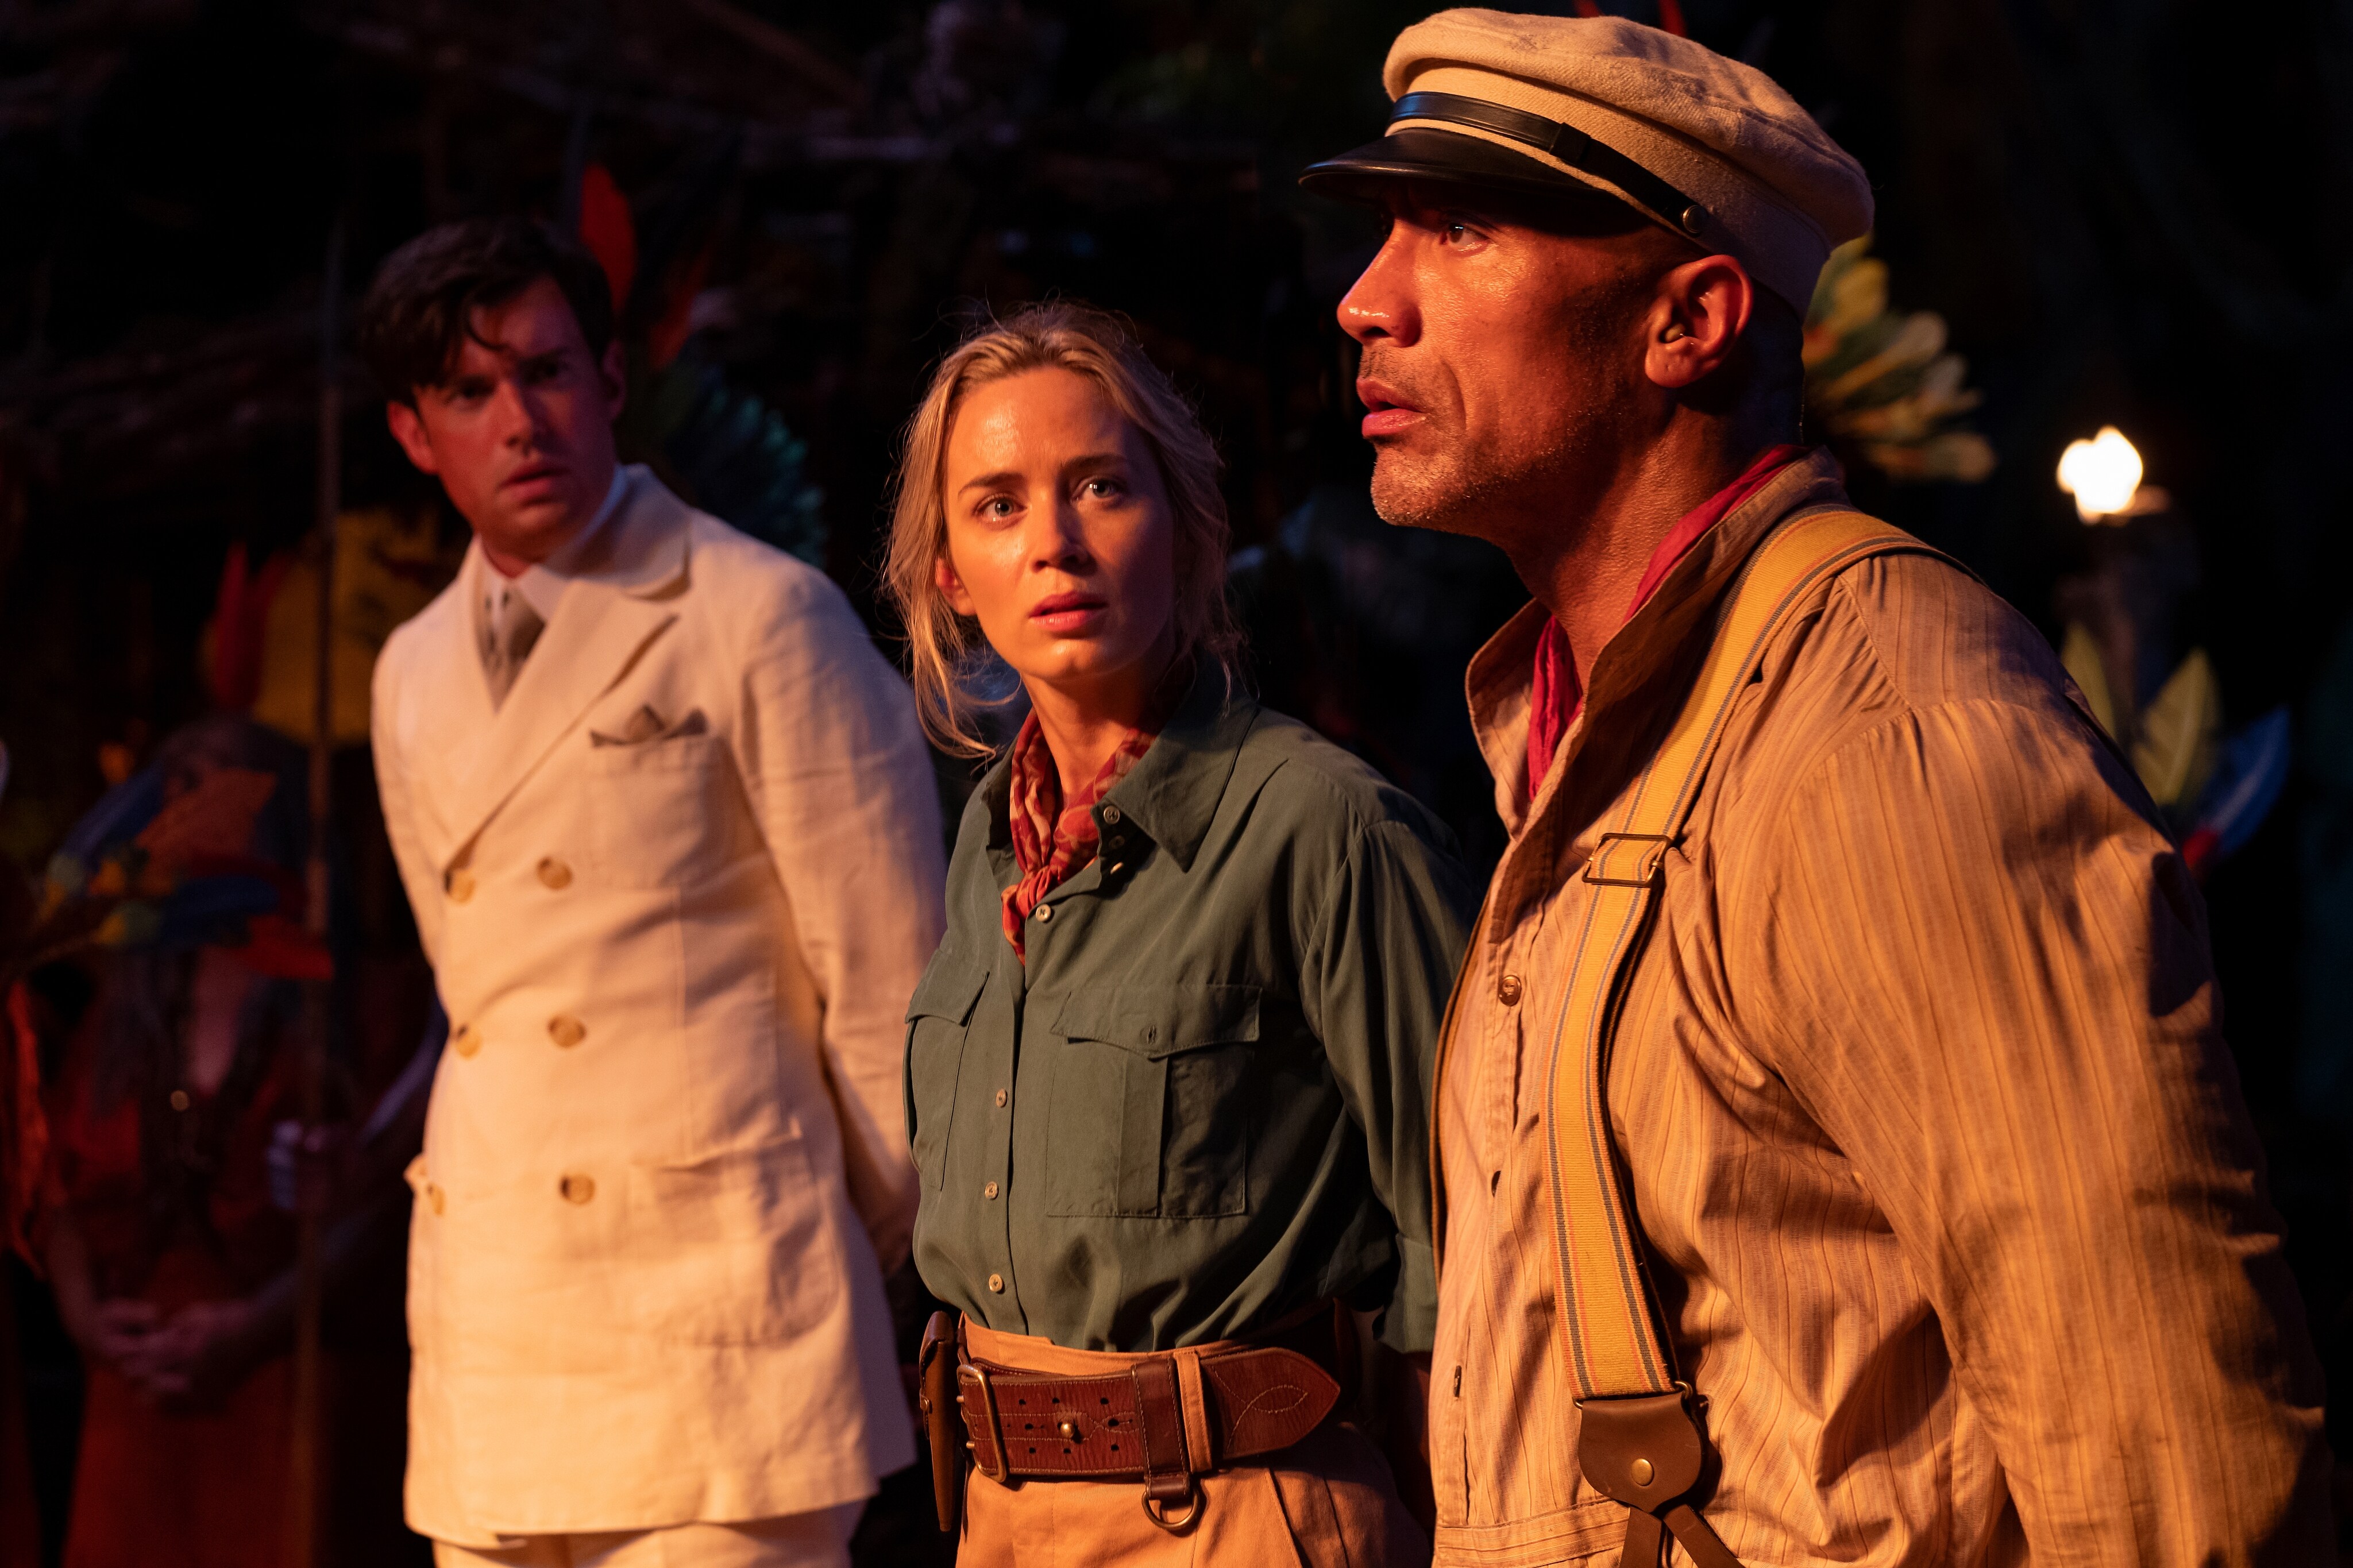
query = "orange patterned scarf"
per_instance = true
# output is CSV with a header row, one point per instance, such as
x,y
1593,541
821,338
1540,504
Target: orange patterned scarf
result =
x,y
1053,837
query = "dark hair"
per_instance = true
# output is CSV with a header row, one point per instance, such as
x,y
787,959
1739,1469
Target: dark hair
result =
x,y
422,303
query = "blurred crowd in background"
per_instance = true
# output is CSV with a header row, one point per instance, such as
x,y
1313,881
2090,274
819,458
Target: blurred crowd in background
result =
x,y
2132,216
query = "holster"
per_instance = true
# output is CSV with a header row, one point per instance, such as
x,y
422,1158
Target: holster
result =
x,y
943,1427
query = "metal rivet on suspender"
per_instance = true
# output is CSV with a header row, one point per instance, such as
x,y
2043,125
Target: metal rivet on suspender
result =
x,y
1642,1472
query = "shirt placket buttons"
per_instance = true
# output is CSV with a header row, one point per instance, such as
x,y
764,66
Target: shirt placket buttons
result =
x,y
554,874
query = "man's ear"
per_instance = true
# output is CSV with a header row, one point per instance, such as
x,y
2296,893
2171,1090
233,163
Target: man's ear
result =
x,y
615,372
1695,321
408,428
951,586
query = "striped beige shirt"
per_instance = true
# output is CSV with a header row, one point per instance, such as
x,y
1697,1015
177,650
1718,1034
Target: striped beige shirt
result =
x,y
1954,1210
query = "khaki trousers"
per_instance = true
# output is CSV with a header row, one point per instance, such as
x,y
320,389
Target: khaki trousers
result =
x,y
1327,1501
816,1540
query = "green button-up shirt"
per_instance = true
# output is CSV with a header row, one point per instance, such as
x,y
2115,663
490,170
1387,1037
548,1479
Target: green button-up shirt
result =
x,y
1204,1099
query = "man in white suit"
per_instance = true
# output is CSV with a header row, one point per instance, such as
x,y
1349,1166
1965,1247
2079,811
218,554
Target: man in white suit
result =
x,y
673,845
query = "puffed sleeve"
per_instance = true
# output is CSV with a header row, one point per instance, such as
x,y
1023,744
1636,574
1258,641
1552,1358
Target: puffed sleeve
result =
x,y
1380,967
1988,975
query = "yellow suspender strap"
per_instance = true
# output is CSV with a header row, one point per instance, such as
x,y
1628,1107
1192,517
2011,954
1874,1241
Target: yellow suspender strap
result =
x,y
1641,1441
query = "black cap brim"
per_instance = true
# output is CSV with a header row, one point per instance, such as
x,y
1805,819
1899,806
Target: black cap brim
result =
x,y
1424,154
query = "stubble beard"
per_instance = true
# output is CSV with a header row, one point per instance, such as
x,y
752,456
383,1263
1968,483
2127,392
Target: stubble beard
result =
x,y
1457,489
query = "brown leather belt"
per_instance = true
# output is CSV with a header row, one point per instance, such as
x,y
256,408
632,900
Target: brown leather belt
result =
x,y
1163,1420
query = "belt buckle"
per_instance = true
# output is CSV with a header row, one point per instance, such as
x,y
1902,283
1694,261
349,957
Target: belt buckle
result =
x,y
1647,864
1002,1474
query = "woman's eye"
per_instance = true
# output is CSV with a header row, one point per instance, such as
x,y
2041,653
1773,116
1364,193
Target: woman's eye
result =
x,y
1104,488
996,508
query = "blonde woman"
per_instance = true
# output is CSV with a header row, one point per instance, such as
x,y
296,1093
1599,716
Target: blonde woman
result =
x,y
1167,1075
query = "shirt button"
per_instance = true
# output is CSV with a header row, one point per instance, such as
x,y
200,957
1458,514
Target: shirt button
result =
x,y
466,1041
997,1283
1000,1100
180,1100
433,1196
567,1030
1111,813
578,1189
555,873
989,1191
1044,913
460,886
1507,990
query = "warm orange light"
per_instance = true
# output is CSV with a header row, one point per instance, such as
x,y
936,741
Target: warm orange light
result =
x,y
2103,474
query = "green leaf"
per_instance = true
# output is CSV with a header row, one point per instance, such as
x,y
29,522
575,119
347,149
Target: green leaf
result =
x,y
2179,732
2080,652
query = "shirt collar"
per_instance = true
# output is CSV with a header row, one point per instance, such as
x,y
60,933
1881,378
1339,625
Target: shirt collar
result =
x,y
542,583
1172,795
1498,680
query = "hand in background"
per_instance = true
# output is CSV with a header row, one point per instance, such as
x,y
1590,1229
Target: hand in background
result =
x,y
196,1359
115,1331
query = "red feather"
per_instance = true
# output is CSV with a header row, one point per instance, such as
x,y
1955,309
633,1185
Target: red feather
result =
x,y
609,231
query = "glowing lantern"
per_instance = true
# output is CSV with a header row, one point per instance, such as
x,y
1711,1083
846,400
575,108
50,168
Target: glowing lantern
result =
x,y
2103,474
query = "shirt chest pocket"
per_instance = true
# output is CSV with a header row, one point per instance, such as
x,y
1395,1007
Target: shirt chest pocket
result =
x,y
937,1020
1149,1113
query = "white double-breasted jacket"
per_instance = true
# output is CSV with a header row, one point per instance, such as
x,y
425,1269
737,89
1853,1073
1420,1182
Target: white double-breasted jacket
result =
x,y
676,889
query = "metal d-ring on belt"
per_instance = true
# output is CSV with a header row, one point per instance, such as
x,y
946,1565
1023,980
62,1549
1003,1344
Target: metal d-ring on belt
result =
x,y
1164,1420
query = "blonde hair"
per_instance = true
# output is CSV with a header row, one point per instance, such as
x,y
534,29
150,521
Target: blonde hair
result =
x,y
948,650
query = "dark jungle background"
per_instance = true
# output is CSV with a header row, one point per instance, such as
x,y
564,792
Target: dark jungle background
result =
x,y
2135,213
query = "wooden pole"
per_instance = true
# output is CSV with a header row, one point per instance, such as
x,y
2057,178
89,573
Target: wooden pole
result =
x,y
306,1470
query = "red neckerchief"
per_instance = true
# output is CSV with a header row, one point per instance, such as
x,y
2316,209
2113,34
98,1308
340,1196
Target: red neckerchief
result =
x,y
1052,837
1556,699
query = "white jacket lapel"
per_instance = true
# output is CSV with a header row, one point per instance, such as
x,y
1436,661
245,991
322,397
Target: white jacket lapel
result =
x,y
617,603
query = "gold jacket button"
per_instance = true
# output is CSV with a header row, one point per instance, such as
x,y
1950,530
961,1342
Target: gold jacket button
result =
x,y
1000,1100
466,1041
460,886
989,1191
433,1196
567,1030
997,1283
1507,990
1044,913
555,873
578,1189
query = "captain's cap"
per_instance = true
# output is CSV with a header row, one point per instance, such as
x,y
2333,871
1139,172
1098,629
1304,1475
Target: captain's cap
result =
x,y
1561,107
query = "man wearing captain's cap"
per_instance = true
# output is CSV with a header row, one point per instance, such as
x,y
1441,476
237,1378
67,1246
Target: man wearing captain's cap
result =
x,y
1840,1157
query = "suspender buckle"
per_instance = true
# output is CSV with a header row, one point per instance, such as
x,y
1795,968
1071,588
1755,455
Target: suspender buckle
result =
x,y
1610,867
